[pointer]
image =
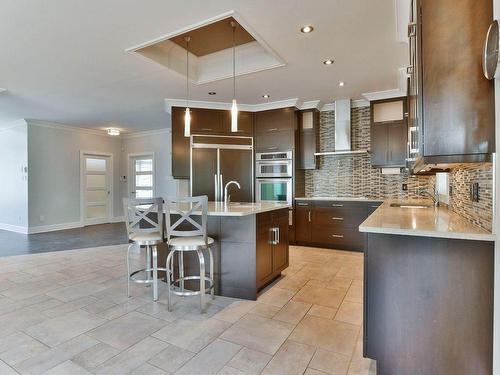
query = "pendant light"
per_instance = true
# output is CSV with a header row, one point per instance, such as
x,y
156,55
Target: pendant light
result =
x,y
187,114
234,106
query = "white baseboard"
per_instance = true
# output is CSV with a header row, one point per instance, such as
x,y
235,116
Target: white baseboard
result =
x,y
50,228
54,227
14,228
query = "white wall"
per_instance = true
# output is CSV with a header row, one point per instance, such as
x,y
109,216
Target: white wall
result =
x,y
13,179
54,173
159,143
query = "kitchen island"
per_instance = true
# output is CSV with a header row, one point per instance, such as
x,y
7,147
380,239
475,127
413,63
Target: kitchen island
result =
x,y
428,291
250,249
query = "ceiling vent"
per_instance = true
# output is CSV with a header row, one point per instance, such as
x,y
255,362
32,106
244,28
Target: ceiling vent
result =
x,y
210,49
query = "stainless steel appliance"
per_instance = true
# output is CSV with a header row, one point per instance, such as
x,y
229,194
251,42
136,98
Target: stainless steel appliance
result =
x,y
274,177
215,160
274,190
274,164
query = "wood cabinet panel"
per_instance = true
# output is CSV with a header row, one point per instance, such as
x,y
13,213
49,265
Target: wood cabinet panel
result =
x,y
245,123
267,122
458,101
280,250
264,256
180,145
303,212
440,291
282,140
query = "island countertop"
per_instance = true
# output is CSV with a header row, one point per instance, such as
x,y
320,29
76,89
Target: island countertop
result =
x,y
424,222
345,199
238,208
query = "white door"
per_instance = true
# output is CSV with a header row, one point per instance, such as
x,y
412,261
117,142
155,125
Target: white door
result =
x,y
141,182
96,189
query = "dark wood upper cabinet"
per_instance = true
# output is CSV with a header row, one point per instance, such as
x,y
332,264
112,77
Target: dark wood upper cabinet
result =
x,y
308,139
275,130
180,145
389,132
203,122
454,112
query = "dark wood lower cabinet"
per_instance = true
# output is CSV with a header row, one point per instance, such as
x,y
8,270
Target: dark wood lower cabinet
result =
x,y
428,305
332,224
272,245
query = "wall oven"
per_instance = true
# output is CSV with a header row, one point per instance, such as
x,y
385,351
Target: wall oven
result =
x,y
274,164
274,190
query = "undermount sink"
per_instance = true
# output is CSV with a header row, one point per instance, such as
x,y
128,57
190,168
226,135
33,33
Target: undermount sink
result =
x,y
410,205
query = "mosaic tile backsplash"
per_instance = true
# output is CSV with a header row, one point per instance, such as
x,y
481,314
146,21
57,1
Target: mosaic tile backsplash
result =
x,y
353,176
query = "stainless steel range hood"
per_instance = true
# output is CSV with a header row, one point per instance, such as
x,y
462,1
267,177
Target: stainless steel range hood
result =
x,y
342,130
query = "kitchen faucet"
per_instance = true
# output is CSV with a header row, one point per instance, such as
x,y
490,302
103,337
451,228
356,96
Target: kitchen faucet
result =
x,y
431,195
227,197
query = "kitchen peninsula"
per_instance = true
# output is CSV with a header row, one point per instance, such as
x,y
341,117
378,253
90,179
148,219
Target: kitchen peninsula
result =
x,y
250,249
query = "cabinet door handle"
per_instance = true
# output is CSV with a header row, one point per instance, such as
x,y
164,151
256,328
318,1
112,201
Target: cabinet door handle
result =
x,y
309,215
337,218
277,236
409,69
412,29
272,129
338,235
209,129
337,205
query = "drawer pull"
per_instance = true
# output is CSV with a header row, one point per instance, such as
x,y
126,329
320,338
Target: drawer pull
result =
x,y
207,129
375,206
338,235
337,205
303,204
337,218
272,129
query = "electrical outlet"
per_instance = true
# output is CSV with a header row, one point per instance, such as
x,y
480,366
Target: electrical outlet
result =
x,y
405,187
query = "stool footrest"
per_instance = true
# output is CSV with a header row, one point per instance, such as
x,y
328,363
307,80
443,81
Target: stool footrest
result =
x,y
190,292
145,281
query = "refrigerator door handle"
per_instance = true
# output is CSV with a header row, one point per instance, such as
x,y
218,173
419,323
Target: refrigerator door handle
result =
x,y
216,187
221,184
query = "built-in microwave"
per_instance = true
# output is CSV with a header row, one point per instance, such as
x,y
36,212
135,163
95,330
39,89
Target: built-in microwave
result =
x,y
274,190
274,164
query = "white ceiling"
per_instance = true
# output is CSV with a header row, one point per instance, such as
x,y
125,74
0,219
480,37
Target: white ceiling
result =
x,y
65,61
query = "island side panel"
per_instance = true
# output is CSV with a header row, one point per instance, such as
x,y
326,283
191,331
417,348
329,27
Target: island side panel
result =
x,y
238,257
429,305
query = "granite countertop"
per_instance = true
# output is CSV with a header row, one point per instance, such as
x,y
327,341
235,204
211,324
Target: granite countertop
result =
x,y
346,199
425,222
238,208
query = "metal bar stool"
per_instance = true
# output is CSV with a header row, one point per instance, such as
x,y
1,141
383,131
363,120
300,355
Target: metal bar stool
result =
x,y
191,238
144,231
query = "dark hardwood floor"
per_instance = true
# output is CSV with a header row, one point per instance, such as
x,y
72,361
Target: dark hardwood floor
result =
x,y
91,236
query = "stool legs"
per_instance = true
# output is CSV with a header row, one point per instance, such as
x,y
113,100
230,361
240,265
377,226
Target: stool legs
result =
x,y
148,262
212,291
170,273
202,280
128,269
155,273
181,269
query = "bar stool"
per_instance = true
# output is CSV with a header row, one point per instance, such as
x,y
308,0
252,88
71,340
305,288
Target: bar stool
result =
x,y
191,238
144,231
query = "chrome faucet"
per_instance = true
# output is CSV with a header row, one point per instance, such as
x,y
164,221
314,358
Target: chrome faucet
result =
x,y
431,195
227,197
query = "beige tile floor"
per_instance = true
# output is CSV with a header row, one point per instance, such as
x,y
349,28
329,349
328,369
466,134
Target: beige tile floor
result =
x,y
67,313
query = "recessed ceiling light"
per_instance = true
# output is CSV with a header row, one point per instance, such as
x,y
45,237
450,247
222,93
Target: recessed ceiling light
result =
x,y
266,96
212,93
341,83
306,29
328,62
113,131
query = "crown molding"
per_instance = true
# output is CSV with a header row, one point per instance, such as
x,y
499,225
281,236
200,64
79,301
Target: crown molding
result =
x,y
13,124
169,103
59,126
311,104
386,94
356,103
146,133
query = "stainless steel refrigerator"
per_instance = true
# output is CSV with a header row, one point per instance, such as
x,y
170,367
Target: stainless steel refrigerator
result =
x,y
216,160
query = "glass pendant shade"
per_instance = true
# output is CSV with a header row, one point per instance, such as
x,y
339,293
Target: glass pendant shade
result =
x,y
234,116
187,123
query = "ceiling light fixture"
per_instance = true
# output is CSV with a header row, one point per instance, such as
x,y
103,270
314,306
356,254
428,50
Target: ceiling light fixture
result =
x,y
212,93
234,106
113,131
266,96
306,29
341,83
187,114
328,62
